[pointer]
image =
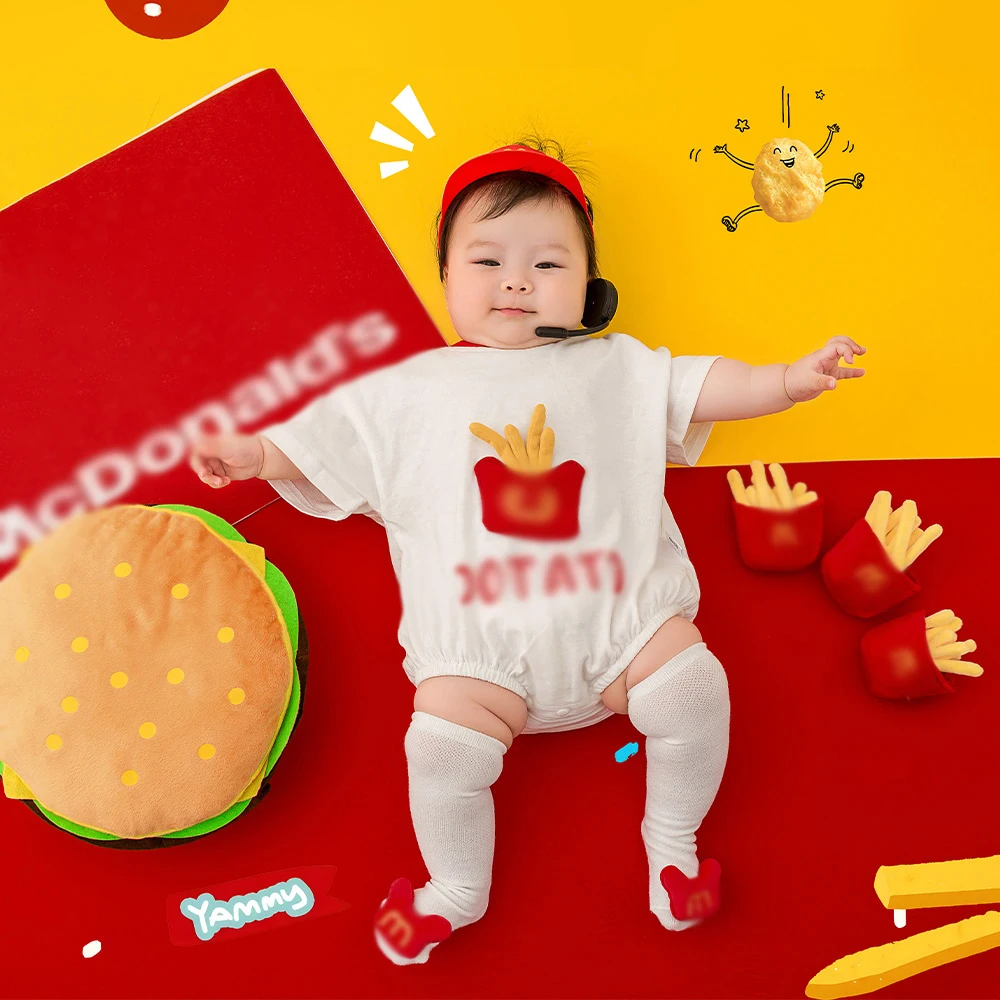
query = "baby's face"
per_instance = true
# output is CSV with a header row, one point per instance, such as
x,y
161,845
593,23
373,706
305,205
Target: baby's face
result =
x,y
519,268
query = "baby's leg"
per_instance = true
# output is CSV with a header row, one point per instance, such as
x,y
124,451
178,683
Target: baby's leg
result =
x,y
683,708
460,729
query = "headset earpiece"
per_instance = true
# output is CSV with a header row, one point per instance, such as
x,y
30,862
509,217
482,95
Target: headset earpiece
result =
x,y
601,303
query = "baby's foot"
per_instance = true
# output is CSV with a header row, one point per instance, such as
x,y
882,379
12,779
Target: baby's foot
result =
x,y
692,900
403,935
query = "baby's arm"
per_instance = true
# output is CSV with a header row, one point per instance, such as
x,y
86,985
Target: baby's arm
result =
x,y
276,464
735,390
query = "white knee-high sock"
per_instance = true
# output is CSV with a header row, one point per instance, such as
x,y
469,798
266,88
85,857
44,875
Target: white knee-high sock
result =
x,y
683,710
451,769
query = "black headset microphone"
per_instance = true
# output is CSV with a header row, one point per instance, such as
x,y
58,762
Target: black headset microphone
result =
x,y
598,311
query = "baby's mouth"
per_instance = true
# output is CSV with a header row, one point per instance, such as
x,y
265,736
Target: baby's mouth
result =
x,y
789,163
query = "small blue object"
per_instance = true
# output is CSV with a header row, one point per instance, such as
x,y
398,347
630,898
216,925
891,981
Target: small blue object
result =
x,y
629,750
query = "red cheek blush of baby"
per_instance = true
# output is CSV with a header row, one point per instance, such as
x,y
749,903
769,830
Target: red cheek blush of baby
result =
x,y
861,577
779,540
898,662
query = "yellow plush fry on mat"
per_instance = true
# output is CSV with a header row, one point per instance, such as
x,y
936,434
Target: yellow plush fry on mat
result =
x,y
735,481
878,514
940,636
941,618
762,488
901,539
781,488
962,882
805,498
966,667
873,968
920,544
956,648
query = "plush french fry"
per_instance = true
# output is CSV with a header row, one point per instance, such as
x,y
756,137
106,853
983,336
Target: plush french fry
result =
x,y
893,521
945,649
517,445
735,481
966,667
765,497
901,538
899,530
535,434
491,437
546,447
760,493
940,636
532,456
955,649
941,618
920,545
781,488
878,514
894,524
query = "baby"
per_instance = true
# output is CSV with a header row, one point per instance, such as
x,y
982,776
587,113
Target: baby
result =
x,y
538,595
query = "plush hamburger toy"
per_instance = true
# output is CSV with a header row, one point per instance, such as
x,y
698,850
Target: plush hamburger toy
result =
x,y
149,675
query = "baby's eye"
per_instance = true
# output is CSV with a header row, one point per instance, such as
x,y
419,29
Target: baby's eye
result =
x,y
537,265
777,149
792,150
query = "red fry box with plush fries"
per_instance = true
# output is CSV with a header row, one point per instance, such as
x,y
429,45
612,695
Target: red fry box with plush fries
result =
x,y
898,662
543,505
779,540
861,577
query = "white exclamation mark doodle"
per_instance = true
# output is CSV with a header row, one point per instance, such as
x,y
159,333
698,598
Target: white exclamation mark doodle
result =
x,y
408,106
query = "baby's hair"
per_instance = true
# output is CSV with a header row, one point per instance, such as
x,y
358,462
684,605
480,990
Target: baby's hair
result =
x,y
504,191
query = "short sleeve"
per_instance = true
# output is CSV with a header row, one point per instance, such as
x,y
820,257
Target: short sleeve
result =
x,y
686,440
332,442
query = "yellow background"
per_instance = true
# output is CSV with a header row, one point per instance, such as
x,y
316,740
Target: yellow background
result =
x,y
903,265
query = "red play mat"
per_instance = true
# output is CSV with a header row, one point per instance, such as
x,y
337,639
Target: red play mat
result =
x,y
824,784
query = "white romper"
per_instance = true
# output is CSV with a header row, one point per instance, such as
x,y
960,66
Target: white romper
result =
x,y
546,581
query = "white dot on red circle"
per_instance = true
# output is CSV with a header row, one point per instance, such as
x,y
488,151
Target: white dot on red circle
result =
x,y
152,9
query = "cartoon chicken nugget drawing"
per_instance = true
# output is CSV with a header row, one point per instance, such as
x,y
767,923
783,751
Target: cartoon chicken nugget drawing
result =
x,y
522,494
787,179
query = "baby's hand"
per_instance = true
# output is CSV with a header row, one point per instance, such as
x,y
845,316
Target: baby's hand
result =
x,y
814,374
221,458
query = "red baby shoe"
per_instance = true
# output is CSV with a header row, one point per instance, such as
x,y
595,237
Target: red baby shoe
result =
x,y
402,928
693,898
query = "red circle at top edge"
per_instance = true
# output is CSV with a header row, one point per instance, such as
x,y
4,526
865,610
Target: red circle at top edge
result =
x,y
175,19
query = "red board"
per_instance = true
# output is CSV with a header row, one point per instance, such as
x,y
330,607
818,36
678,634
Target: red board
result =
x,y
215,273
